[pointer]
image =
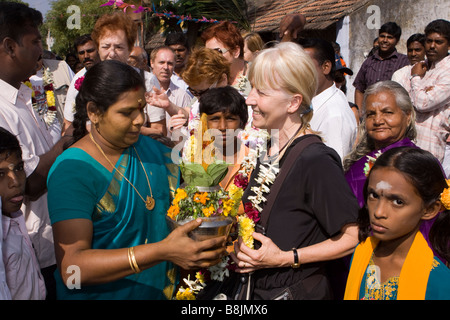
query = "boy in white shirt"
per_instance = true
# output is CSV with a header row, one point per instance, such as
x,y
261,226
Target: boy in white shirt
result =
x,y
23,275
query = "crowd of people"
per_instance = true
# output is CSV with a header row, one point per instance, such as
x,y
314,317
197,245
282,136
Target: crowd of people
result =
x,y
358,207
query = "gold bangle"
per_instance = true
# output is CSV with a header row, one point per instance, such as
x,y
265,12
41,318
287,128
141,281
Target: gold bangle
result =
x,y
132,260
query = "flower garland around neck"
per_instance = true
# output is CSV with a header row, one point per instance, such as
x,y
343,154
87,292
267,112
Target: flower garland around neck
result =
x,y
445,196
242,84
77,86
46,108
252,209
78,83
267,174
370,162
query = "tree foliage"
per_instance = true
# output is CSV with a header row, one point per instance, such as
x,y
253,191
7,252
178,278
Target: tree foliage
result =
x,y
57,18
59,21
18,1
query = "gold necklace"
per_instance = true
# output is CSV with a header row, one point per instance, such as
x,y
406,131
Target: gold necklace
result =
x,y
150,201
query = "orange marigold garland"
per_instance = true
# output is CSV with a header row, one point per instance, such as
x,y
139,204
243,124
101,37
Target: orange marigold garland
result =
x,y
445,196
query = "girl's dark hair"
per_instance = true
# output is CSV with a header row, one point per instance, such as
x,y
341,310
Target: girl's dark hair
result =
x,y
425,173
103,84
9,144
224,99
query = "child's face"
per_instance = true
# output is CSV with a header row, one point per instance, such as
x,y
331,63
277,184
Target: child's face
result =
x,y
227,124
12,183
395,208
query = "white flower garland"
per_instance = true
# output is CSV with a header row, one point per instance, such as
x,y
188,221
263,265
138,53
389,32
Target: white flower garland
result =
x,y
43,110
266,177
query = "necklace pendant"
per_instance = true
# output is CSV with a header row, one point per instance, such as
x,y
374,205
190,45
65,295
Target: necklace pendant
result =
x,y
150,203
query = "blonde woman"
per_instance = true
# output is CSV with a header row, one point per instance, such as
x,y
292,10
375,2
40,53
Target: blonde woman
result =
x,y
253,44
312,219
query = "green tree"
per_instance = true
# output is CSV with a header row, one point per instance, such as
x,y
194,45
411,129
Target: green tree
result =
x,y
61,20
57,18
19,1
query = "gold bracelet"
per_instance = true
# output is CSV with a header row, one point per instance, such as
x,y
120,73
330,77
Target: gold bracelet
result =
x,y
132,260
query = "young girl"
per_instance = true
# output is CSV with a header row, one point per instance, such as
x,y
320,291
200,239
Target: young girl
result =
x,y
403,189
23,275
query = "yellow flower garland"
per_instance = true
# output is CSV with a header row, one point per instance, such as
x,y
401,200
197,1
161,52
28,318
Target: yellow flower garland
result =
x,y
246,229
50,98
50,114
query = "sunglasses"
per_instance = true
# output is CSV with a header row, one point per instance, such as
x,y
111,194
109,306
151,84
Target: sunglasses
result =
x,y
197,94
222,51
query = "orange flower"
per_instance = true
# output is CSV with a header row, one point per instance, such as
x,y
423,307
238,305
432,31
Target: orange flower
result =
x,y
180,195
201,197
173,212
445,196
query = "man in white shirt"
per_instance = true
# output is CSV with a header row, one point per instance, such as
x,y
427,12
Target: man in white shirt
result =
x,y
162,61
430,92
178,42
333,117
20,51
415,46
88,56
59,73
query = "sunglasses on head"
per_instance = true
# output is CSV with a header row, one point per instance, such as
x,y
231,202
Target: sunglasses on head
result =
x,y
220,50
197,94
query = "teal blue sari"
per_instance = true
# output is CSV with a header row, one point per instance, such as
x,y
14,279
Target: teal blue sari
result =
x,y
79,187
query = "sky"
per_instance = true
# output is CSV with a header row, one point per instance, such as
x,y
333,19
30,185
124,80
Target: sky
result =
x,y
42,5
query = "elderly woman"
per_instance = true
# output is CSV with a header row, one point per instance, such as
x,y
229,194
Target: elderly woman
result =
x,y
114,35
388,121
312,219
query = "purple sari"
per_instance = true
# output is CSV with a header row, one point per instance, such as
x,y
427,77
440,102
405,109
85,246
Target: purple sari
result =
x,y
356,178
355,175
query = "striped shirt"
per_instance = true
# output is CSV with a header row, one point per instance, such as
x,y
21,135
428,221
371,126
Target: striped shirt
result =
x,y
430,96
375,69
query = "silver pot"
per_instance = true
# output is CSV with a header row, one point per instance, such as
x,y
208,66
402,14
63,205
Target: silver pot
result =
x,y
211,227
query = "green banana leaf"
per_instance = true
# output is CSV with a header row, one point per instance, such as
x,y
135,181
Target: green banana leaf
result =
x,y
195,175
